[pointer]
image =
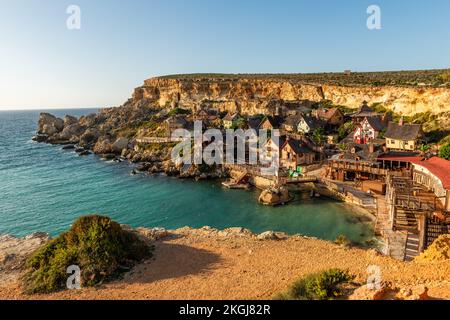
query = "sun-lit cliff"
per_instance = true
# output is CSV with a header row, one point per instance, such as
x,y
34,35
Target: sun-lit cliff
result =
x,y
252,95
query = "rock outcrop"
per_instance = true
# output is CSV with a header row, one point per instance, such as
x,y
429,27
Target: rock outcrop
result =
x,y
439,250
49,124
274,196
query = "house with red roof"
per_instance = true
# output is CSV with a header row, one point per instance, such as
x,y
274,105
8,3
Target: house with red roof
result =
x,y
332,116
434,173
368,130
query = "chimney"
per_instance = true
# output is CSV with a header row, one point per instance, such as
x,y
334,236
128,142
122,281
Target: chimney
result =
x,y
400,123
384,119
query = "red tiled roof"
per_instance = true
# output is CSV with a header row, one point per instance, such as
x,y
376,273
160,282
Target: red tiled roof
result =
x,y
400,158
439,167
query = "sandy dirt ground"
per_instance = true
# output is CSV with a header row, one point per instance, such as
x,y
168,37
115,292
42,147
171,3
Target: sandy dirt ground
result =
x,y
211,264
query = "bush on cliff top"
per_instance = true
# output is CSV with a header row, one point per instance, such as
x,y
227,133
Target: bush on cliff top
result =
x,y
444,152
318,286
96,244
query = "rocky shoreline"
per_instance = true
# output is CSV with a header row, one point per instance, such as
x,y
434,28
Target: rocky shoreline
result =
x,y
91,135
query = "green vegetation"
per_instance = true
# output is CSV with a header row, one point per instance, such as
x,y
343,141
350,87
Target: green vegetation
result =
x,y
325,285
240,123
96,244
380,108
126,132
319,136
444,152
344,109
342,240
345,129
445,76
177,111
413,78
424,148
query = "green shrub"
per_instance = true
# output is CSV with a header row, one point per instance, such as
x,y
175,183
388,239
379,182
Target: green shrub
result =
x,y
445,76
319,136
178,111
342,240
444,152
317,286
96,244
345,129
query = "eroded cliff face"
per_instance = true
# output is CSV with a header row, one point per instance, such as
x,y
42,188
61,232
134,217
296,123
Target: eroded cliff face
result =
x,y
251,96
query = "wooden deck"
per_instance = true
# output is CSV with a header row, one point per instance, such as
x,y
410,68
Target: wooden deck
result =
x,y
357,167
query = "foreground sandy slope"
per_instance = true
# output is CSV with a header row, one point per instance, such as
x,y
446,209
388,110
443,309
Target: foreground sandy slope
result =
x,y
207,264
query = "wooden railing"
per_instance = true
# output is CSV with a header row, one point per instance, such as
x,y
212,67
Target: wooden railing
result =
x,y
359,167
151,140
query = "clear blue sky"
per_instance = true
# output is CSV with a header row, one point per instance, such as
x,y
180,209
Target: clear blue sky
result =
x,y
121,43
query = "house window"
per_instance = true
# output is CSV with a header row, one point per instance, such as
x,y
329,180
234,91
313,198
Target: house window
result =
x,y
392,141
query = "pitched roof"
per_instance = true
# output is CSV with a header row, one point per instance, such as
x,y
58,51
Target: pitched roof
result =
x,y
281,140
293,120
253,122
313,123
376,123
297,146
328,113
364,111
439,167
230,117
275,121
362,152
403,132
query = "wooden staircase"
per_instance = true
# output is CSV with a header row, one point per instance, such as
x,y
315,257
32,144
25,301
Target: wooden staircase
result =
x,y
405,220
412,246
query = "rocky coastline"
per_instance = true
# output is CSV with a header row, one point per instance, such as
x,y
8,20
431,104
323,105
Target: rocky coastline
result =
x,y
92,134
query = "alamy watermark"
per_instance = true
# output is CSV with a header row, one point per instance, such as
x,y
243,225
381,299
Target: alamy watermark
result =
x,y
374,277
244,147
73,21
374,19
74,280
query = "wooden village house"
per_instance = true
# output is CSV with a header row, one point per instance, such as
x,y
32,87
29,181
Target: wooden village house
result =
x,y
176,122
368,129
271,123
205,115
229,120
308,124
332,116
291,123
402,136
363,112
295,153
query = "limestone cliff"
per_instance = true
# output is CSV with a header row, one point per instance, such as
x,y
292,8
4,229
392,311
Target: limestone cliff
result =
x,y
253,95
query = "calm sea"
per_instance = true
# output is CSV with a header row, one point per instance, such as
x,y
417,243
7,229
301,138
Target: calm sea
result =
x,y
44,188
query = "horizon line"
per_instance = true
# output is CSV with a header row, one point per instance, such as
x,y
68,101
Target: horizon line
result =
x,y
46,108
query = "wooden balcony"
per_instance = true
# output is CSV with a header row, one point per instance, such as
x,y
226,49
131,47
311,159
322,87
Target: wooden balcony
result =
x,y
357,167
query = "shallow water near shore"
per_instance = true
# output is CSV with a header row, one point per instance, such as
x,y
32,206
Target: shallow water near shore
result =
x,y
44,188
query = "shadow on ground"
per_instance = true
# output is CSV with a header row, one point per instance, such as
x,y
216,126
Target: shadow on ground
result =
x,y
173,261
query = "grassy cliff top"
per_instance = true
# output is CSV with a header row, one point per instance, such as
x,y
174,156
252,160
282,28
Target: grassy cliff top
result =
x,y
434,78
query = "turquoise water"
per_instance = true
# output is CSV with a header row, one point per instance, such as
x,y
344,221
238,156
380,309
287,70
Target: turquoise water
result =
x,y
44,188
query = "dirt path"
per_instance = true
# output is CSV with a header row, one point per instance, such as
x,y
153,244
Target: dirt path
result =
x,y
211,264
